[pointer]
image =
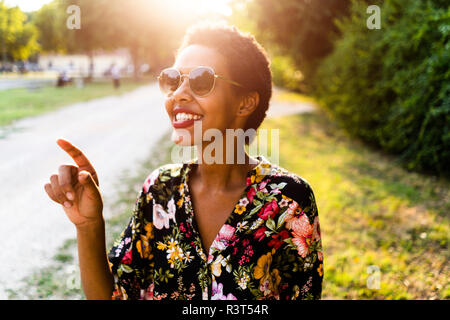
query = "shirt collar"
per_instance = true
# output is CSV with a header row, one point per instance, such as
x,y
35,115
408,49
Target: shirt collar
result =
x,y
263,168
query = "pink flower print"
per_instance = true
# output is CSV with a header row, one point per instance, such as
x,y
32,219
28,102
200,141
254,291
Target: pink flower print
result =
x,y
262,186
171,209
150,180
149,292
292,208
243,202
289,218
250,194
300,225
217,292
226,232
276,191
269,210
260,233
302,244
284,202
127,258
223,238
161,218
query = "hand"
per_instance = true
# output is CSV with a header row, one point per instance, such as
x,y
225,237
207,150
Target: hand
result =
x,y
76,188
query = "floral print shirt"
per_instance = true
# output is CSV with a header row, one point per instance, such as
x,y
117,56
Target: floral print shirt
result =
x,y
269,247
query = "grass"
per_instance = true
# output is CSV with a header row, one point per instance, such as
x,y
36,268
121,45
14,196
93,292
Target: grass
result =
x,y
286,96
20,103
372,213
374,216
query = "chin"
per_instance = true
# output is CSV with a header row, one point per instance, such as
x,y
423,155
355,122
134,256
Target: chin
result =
x,y
182,138
190,136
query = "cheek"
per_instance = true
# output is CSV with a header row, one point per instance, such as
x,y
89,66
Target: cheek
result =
x,y
218,115
168,105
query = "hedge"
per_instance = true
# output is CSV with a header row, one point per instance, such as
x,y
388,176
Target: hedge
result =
x,y
390,87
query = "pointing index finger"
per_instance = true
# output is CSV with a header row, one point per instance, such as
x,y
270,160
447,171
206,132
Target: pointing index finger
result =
x,y
77,155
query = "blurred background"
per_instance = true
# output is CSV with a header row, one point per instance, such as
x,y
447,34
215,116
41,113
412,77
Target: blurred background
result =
x,y
368,127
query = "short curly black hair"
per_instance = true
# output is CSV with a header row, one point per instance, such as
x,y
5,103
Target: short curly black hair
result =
x,y
247,60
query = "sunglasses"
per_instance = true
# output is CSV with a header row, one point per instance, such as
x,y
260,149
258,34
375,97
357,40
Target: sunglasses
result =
x,y
201,80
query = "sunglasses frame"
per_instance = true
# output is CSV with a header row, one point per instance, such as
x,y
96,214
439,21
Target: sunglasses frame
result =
x,y
189,80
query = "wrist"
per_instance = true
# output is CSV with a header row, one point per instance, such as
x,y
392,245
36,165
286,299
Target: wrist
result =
x,y
90,227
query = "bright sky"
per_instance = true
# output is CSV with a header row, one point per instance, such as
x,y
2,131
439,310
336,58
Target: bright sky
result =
x,y
219,6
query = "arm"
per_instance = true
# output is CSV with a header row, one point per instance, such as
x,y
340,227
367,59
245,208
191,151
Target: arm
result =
x,y
96,277
302,249
295,261
76,188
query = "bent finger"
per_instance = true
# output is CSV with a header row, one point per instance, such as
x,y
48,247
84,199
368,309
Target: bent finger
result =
x,y
58,193
48,188
67,179
78,156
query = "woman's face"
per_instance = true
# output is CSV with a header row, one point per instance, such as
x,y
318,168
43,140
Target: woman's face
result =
x,y
218,110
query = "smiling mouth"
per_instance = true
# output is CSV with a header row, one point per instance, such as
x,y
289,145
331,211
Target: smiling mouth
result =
x,y
184,119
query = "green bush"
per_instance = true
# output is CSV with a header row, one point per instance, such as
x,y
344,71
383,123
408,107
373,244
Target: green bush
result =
x,y
391,86
285,75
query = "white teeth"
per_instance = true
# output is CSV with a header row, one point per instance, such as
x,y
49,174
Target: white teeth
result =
x,y
186,116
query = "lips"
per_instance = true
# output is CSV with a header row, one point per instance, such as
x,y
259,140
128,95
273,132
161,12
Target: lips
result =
x,y
183,117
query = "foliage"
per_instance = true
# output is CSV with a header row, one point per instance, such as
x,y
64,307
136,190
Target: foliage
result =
x,y
18,38
301,28
50,21
284,73
150,29
391,87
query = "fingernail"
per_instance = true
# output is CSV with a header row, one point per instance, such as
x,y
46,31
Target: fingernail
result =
x,y
69,195
67,204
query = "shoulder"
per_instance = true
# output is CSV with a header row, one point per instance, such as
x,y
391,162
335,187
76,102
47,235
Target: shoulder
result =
x,y
291,186
293,182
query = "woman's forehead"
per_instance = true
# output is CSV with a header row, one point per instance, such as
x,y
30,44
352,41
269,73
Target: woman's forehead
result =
x,y
197,55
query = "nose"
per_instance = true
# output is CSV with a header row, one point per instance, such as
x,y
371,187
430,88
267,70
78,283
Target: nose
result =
x,y
183,92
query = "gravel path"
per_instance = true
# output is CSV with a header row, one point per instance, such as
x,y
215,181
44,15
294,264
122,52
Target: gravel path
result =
x,y
114,132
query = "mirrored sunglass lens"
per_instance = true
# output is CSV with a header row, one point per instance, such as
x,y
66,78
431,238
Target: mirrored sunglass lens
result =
x,y
169,80
201,80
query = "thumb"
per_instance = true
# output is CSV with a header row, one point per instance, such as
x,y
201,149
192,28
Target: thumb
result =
x,y
86,179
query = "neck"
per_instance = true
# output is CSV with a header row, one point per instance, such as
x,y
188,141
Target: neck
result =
x,y
216,172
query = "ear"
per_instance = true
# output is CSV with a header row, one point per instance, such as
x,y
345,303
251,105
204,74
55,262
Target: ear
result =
x,y
248,104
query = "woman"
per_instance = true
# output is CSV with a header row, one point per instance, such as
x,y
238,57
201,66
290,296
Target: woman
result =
x,y
223,229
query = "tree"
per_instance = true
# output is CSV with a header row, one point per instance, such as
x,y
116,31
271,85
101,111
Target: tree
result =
x,y
50,21
17,38
95,32
151,29
302,29
25,43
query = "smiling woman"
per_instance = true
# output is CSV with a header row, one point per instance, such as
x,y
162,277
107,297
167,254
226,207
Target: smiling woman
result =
x,y
219,231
